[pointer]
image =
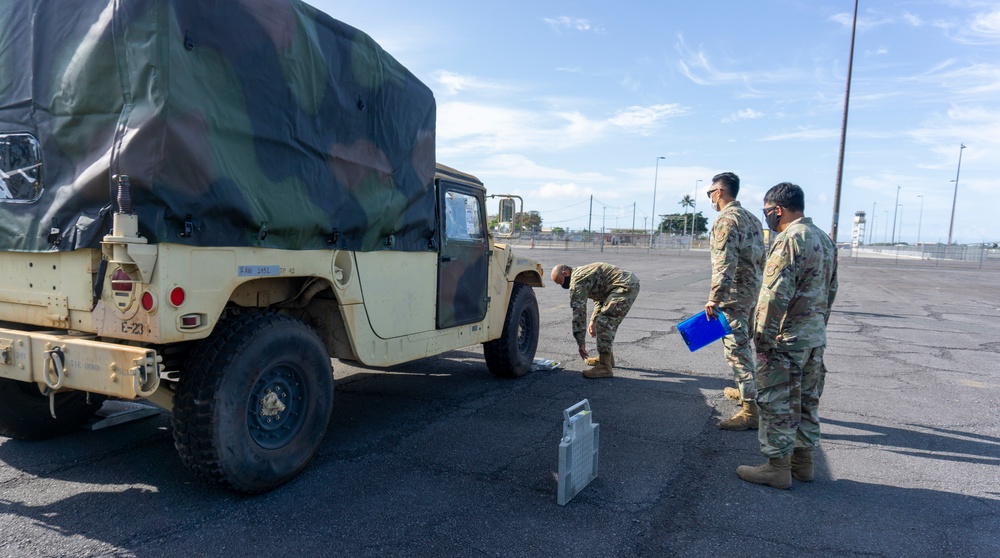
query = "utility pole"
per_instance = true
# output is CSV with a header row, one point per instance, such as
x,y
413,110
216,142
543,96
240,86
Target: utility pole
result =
x,y
894,215
873,225
843,132
954,198
590,219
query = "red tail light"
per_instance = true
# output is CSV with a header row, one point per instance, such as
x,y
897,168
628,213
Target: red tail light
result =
x,y
176,296
120,281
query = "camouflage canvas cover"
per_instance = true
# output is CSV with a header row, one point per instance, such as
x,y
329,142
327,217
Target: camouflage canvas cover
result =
x,y
239,123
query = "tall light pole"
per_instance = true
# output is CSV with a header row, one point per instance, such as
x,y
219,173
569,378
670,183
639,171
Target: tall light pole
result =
x,y
843,132
873,225
885,231
900,223
694,208
894,216
653,221
920,220
955,196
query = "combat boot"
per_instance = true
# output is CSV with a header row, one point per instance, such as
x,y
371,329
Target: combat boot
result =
x,y
594,361
776,472
603,368
744,419
802,464
732,393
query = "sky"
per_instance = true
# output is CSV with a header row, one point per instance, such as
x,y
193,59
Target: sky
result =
x,y
563,101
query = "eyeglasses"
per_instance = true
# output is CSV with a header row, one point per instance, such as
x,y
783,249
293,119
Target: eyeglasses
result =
x,y
769,210
712,191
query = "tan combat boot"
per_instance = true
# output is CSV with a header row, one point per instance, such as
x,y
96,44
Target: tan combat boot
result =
x,y
745,419
732,393
603,368
776,472
802,464
594,361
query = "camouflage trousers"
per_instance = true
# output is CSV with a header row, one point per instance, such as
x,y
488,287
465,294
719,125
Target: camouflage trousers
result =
x,y
739,355
608,315
789,385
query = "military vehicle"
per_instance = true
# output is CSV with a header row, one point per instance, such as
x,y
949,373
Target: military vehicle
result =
x,y
201,203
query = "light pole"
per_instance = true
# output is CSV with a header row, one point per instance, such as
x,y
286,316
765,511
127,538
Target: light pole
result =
x,y
920,220
694,208
954,197
894,216
652,218
872,230
900,223
843,132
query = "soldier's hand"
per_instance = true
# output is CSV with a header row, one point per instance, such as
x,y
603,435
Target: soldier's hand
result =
x,y
592,329
710,309
583,352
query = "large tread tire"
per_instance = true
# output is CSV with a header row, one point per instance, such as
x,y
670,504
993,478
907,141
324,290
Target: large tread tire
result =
x,y
25,414
253,402
513,353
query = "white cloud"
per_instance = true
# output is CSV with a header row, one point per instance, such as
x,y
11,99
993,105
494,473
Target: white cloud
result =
x,y
453,83
513,165
465,126
986,26
877,52
912,19
697,67
864,23
808,135
645,119
743,114
572,23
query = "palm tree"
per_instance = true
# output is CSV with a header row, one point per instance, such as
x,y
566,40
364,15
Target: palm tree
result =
x,y
686,202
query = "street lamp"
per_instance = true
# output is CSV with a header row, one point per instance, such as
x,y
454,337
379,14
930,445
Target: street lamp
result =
x,y
920,220
653,217
694,208
955,196
894,217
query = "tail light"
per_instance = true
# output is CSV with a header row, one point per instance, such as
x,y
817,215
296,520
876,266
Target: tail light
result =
x,y
122,289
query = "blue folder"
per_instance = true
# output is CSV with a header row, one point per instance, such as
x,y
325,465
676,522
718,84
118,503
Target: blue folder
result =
x,y
698,331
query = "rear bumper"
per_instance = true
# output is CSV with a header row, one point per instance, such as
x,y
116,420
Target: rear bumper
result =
x,y
63,361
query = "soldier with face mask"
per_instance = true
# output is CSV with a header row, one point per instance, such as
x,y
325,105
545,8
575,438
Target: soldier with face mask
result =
x,y
793,307
613,290
737,248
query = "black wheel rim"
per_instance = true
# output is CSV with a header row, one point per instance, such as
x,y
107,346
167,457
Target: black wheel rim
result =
x,y
524,332
277,406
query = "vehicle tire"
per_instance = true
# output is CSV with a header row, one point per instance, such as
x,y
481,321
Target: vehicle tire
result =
x,y
512,355
253,402
25,415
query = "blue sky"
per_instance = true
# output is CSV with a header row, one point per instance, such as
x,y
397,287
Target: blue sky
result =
x,y
560,100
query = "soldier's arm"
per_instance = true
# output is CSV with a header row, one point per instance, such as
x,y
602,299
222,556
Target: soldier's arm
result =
x,y
775,294
834,285
578,303
724,259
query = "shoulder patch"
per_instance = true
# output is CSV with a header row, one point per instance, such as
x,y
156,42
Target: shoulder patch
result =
x,y
771,269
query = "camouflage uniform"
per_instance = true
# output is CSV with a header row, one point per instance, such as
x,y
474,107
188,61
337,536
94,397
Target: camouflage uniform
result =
x,y
613,290
800,284
737,258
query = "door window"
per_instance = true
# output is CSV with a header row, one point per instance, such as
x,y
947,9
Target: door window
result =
x,y
462,220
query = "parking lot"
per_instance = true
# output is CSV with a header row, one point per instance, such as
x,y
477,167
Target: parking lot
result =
x,y
438,458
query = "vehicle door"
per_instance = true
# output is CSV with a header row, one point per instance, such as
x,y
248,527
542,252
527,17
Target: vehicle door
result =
x,y
462,264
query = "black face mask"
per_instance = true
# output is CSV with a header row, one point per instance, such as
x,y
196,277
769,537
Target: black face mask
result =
x,y
772,219
565,283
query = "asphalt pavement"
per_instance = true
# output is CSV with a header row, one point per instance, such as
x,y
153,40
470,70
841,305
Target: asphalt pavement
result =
x,y
438,458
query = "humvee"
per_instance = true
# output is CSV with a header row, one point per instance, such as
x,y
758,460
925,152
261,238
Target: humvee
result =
x,y
202,203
